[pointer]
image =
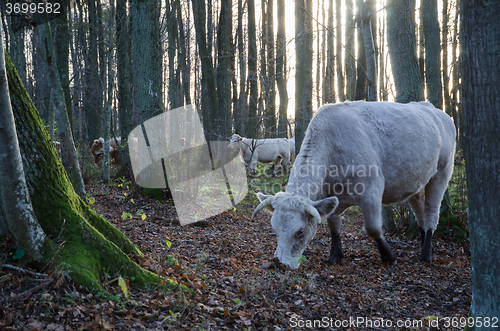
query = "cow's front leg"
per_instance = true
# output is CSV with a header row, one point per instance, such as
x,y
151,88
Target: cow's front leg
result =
x,y
427,249
372,211
336,254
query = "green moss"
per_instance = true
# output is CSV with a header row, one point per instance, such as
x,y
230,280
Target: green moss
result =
x,y
88,246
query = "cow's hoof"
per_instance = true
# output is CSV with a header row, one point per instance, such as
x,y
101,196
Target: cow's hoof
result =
x,y
426,259
391,259
335,260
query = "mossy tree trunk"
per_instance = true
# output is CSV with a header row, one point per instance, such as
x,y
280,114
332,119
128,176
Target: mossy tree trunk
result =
x,y
68,150
16,212
88,245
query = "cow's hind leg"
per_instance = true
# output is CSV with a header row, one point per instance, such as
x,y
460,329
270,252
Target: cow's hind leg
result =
x,y
336,254
434,192
417,204
372,211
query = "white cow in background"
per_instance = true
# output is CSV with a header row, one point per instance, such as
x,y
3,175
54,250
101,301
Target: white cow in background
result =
x,y
291,145
261,150
364,154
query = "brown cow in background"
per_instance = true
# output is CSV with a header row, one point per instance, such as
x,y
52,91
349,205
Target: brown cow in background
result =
x,y
97,150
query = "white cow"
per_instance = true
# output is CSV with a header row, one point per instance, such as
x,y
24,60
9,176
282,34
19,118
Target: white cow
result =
x,y
365,154
291,145
261,150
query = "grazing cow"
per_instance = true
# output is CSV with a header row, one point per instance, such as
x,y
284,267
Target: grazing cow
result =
x,y
261,150
364,154
291,145
97,150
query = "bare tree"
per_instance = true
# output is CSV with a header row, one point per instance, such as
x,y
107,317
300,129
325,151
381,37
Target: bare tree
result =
x,y
329,80
402,50
303,71
252,72
432,36
281,70
480,37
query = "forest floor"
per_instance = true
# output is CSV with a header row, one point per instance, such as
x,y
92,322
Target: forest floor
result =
x,y
228,262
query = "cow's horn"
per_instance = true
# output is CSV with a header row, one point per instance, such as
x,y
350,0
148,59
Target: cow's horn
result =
x,y
314,213
262,205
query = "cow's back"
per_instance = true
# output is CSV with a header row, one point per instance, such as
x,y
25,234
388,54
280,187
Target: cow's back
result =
x,y
400,146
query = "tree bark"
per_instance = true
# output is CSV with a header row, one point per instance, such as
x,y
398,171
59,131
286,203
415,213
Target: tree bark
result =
x,y
281,70
271,122
16,207
240,115
209,92
93,86
349,60
61,37
124,80
303,73
432,37
69,155
109,102
444,49
329,81
148,97
340,69
252,72
402,51
366,13
480,36
225,54
361,87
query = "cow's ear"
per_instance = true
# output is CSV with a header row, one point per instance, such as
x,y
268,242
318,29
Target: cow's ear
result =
x,y
326,206
263,197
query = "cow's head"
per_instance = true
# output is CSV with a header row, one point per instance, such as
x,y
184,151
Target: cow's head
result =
x,y
97,150
234,142
294,221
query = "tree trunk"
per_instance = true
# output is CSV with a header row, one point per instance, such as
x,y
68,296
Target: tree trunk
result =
x,y
281,70
69,155
402,51
456,82
382,62
209,91
444,49
263,75
361,66
15,202
225,54
480,36
367,11
252,72
340,51
240,117
93,87
90,245
123,72
303,73
329,81
183,59
432,53
271,123
174,96
148,98
41,97
109,103
61,37
349,60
